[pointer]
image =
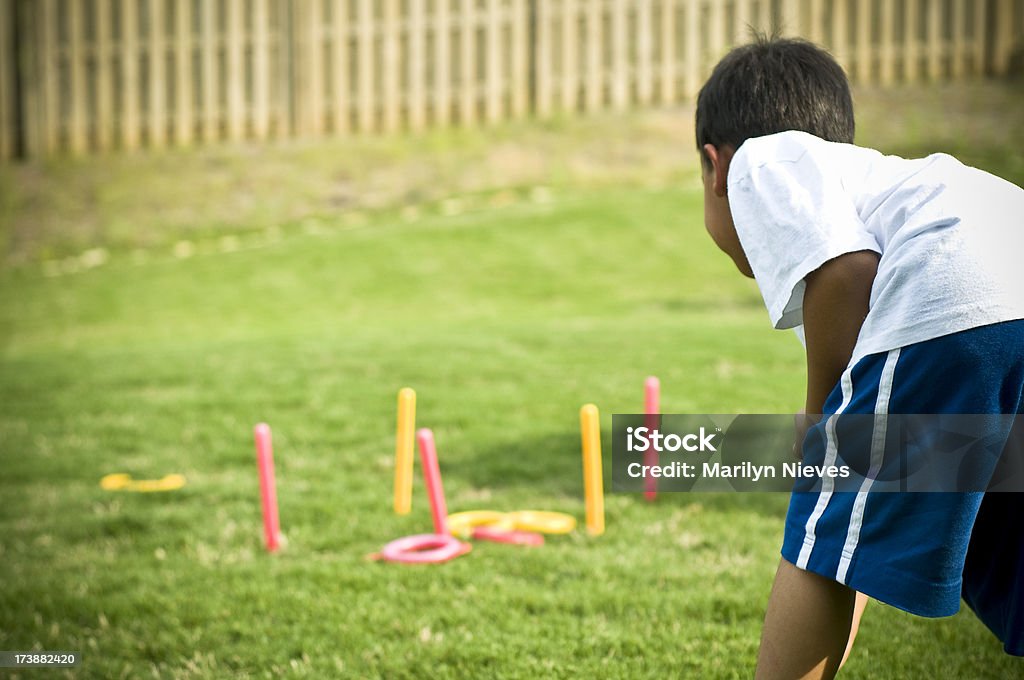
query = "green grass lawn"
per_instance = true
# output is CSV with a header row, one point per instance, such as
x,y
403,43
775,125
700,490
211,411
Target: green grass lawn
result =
x,y
506,313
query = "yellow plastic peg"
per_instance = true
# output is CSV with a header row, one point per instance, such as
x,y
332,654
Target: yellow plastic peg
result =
x,y
593,481
404,443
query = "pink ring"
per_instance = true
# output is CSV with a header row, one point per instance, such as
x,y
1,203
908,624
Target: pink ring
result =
x,y
424,549
486,533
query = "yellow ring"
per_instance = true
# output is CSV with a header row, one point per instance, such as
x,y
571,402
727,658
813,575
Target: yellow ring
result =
x,y
461,524
168,483
543,522
123,482
116,481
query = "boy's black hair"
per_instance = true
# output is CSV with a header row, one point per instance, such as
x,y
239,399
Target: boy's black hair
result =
x,y
773,85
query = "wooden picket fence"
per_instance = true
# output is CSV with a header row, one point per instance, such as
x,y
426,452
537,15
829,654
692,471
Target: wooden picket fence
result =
x,y
88,76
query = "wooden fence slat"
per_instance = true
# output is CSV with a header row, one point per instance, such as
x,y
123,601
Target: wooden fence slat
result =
x,y
644,53
103,50
1003,47
544,88
887,67
31,91
416,61
816,31
183,121
157,99
210,70
51,89
740,21
716,31
959,57
840,31
764,16
467,63
309,67
934,38
317,81
570,53
234,75
339,66
911,36
391,66
282,82
864,53
367,88
978,39
129,75
261,74
620,57
78,139
7,131
595,55
493,62
520,78
791,17
442,64
691,60
668,51
301,22
303,28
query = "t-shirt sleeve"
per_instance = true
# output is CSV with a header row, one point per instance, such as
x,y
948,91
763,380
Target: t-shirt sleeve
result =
x,y
792,215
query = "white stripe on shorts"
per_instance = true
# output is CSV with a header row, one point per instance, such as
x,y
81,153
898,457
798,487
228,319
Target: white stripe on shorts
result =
x,y
827,483
877,455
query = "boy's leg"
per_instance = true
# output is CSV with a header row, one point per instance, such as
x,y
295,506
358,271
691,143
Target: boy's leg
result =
x,y
807,627
858,611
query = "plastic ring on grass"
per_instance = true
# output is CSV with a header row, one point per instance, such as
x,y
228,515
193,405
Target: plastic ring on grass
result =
x,y
120,481
462,524
424,549
543,522
115,482
487,533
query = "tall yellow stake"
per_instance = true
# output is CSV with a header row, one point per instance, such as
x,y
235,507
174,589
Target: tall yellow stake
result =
x,y
593,481
404,450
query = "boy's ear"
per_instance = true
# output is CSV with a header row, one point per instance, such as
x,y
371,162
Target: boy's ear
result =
x,y
719,158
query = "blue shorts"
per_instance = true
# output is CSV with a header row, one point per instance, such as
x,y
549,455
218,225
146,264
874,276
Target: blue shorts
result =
x,y
922,552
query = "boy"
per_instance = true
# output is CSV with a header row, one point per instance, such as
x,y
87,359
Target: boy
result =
x,y
906,279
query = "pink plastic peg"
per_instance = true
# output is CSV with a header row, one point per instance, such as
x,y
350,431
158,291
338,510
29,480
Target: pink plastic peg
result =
x,y
268,487
432,476
652,407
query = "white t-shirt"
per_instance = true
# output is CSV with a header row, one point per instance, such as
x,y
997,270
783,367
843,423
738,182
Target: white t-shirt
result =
x,y
950,237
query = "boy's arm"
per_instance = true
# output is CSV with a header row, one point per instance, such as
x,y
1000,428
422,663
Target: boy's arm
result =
x,y
835,304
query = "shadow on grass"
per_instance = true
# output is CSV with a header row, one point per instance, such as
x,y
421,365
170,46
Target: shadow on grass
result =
x,y
552,464
546,464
